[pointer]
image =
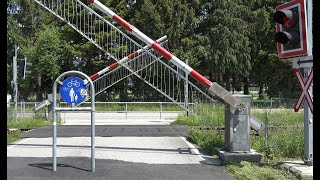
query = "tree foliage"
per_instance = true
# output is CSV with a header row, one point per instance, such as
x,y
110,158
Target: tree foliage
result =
x,y
229,41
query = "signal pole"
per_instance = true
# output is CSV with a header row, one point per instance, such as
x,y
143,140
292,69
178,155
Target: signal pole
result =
x,y
15,83
186,92
308,116
294,37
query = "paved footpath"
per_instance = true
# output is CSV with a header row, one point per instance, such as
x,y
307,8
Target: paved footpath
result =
x,y
122,152
119,118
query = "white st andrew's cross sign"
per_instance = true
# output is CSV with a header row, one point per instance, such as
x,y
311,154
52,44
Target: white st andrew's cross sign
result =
x,y
305,87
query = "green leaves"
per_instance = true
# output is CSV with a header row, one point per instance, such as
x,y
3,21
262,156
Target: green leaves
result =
x,y
224,41
229,41
46,52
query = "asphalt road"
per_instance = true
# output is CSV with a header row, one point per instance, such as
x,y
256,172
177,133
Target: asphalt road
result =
x,y
109,131
79,169
122,152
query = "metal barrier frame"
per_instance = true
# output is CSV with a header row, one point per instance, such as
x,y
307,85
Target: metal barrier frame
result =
x,y
56,109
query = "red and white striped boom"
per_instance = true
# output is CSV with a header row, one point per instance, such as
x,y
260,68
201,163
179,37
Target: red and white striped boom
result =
x,y
123,60
213,87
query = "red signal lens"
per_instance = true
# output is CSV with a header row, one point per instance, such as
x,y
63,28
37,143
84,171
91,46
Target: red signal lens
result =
x,y
286,18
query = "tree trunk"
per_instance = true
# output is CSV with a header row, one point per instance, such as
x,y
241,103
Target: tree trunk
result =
x,y
246,86
227,81
260,91
39,92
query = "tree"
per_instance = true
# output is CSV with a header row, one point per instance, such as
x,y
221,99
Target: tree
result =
x,y
230,41
24,21
267,69
223,41
20,31
46,55
282,79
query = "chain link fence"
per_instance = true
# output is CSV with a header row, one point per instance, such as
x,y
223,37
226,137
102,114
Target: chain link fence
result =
x,y
24,109
283,137
274,103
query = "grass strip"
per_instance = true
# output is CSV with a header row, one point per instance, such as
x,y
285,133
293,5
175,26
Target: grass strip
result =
x,y
11,137
253,171
289,144
28,122
25,123
206,139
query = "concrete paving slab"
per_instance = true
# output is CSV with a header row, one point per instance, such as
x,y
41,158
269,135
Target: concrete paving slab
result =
x,y
305,172
121,118
138,151
151,150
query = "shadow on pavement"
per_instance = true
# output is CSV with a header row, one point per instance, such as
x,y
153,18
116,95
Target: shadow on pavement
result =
x,y
48,166
178,150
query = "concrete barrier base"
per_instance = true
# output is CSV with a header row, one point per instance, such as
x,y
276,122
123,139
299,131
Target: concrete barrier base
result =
x,y
251,156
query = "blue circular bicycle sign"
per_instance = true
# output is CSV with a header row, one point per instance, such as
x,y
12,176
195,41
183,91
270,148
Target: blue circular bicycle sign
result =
x,y
73,90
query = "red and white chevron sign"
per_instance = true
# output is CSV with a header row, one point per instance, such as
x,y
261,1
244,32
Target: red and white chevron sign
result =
x,y
305,87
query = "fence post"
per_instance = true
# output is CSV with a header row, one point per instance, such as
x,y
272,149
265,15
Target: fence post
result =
x,y
24,108
160,110
186,91
15,82
266,135
126,111
20,108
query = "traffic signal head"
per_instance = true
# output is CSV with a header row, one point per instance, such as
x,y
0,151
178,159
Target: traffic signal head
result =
x,y
22,68
288,18
291,29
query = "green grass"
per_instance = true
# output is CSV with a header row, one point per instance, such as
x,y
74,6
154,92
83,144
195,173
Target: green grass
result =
x,y
187,120
283,141
242,170
263,100
275,103
253,171
110,107
206,139
154,107
212,115
284,144
136,107
27,123
28,108
11,137
283,117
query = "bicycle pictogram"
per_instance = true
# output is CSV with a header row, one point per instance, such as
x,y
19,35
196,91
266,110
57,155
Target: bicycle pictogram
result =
x,y
75,83
73,90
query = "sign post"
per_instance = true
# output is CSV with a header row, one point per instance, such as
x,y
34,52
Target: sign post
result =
x,y
73,91
294,39
15,82
308,121
308,117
